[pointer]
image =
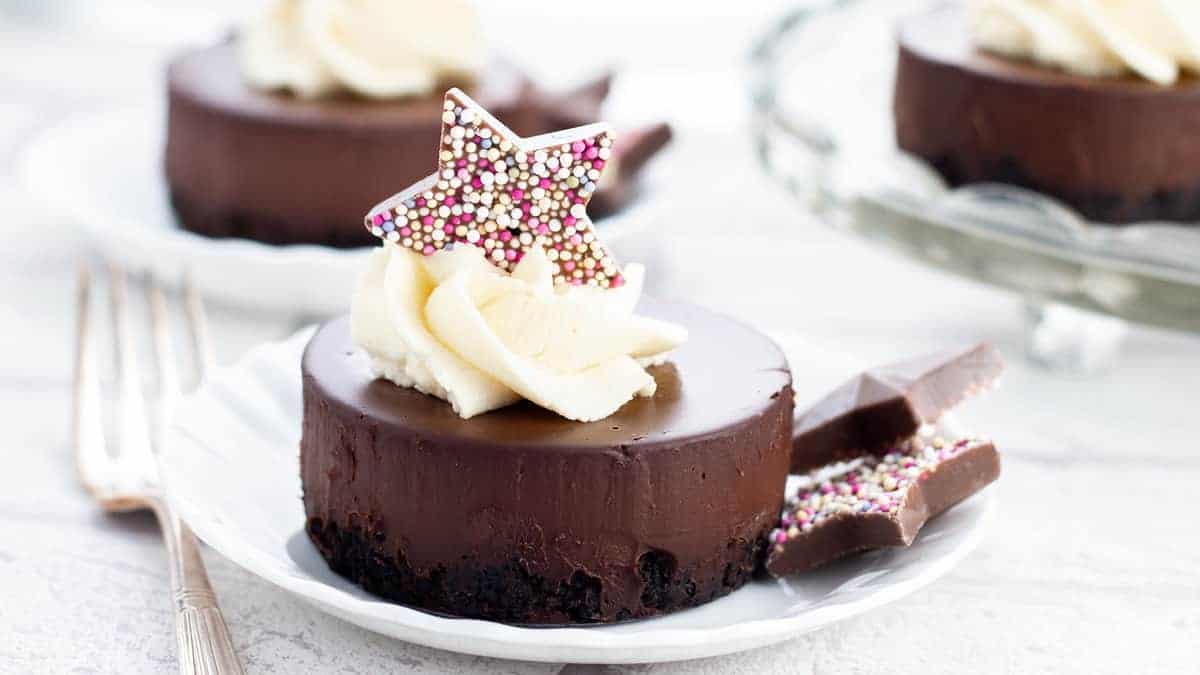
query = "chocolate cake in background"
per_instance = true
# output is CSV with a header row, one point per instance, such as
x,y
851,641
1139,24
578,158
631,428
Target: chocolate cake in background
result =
x,y
284,170
283,133
1118,148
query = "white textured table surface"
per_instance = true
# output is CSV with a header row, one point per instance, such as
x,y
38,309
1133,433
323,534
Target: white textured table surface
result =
x,y
1093,564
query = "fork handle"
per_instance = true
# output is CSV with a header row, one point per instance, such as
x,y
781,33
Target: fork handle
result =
x,y
204,646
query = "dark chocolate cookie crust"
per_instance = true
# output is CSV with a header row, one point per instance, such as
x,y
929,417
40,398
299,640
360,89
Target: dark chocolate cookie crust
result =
x,y
510,593
1117,150
521,516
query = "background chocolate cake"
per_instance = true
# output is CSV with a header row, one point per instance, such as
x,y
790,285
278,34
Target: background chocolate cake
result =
x,y
1117,149
270,166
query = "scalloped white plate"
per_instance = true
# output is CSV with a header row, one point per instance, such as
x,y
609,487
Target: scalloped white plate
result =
x,y
231,467
103,172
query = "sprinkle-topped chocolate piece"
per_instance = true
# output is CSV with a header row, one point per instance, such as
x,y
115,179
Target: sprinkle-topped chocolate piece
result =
x,y
506,194
877,502
872,412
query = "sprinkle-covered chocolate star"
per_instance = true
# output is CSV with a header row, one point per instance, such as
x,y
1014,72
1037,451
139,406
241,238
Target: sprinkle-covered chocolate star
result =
x,y
877,502
506,194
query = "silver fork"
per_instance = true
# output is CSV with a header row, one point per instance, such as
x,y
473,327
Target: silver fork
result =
x,y
126,479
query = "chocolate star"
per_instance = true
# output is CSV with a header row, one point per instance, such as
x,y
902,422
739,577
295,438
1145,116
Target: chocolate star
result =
x,y
506,194
882,502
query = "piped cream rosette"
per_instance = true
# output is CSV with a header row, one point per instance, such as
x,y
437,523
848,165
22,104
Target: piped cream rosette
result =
x,y
454,326
1153,38
374,48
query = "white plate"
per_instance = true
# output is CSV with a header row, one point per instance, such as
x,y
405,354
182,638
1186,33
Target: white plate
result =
x,y
231,468
103,172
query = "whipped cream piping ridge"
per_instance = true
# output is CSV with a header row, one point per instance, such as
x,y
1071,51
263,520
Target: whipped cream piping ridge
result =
x,y
454,326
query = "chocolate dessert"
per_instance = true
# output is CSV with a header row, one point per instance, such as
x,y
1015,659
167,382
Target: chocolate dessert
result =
x,y
522,516
498,432
1118,148
280,169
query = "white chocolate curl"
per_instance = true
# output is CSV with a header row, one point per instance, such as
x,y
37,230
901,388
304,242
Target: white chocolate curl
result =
x,y
454,326
374,48
1155,39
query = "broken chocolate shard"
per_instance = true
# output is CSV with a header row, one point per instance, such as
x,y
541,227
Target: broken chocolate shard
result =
x,y
878,503
872,412
636,146
632,149
580,105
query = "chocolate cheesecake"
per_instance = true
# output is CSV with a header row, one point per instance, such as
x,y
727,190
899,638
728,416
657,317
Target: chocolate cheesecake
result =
x,y
273,167
1117,149
522,516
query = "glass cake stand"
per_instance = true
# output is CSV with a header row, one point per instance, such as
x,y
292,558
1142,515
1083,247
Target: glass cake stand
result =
x,y
821,87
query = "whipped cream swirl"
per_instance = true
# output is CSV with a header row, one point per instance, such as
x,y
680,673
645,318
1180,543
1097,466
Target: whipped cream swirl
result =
x,y
374,48
1156,39
454,326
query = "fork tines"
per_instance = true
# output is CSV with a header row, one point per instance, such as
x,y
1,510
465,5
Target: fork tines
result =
x,y
119,469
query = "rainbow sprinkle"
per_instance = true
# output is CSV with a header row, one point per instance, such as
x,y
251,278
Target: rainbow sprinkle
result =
x,y
866,485
506,194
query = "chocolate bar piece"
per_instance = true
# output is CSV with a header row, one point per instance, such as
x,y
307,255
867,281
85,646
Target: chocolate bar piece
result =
x,y
882,502
885,405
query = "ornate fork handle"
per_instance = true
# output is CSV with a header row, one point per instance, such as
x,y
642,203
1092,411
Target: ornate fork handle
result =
x,y
200,631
